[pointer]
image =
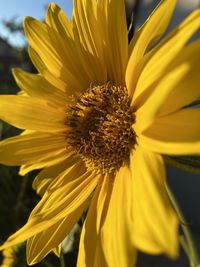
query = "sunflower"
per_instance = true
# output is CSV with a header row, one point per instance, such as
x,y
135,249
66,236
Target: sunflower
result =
x,y
97,119
9,257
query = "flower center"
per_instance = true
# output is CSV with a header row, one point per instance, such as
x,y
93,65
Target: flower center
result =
x,y
100,124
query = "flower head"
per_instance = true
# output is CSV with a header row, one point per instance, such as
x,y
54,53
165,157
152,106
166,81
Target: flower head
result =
x,y
9,257
97,119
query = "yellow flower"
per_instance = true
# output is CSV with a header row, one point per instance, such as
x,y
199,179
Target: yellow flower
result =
x,y
9,257
98,118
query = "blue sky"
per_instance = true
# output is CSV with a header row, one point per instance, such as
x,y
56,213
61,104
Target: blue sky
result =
x,y
22,8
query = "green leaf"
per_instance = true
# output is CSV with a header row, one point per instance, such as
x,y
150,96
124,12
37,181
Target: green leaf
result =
x,y
187,163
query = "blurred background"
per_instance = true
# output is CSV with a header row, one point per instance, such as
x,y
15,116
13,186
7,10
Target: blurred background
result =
x,y
16,195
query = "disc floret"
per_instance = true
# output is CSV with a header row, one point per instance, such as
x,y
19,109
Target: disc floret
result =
x,y
100,123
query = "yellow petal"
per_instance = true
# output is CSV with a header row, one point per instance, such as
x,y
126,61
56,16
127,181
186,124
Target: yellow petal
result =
x,y
163,55
46,176
70,49
64,198
172,93
88,38
43,243
153,28
90,247
175,134
57,19
155,222
115,36
29,148
45,161
182,96
40,37
68,179
117,229
146,114
33,114
109,224
57,251
163,11
36,86
42,67
85,19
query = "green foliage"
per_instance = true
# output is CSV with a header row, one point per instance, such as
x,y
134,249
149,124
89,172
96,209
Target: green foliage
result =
x,y
188,163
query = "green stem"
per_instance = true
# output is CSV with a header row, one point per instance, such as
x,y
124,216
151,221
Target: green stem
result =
x,y
184,245
46,263
187,242
62,259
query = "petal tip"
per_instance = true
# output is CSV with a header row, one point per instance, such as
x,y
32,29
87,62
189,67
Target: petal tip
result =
x,y
52,6
26,21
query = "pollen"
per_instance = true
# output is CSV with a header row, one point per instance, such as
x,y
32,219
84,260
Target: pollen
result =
x,y
100,127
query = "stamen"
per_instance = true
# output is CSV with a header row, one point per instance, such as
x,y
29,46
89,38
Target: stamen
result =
x,y
100,123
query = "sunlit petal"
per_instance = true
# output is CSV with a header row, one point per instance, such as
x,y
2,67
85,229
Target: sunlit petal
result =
x,y
69,194
175,134
155,222
163,55
153,28
33,114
